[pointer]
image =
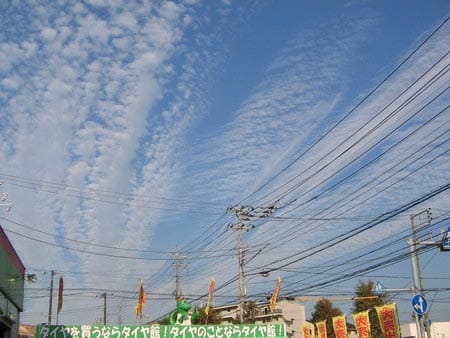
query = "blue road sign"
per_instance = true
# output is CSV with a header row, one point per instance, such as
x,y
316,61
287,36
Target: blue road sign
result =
x,y
379,289
446,240
419,304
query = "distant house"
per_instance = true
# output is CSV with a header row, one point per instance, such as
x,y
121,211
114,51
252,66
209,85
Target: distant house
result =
x,y
27,331
12,273
438,330
287,312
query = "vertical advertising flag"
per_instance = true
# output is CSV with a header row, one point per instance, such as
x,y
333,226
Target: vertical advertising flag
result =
x,y
362,324
60,294
321,329
212,284
387,315
140,305
273,299
306,332
340,326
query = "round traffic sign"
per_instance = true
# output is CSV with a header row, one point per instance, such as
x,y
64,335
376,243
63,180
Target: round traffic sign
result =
x,y
419,304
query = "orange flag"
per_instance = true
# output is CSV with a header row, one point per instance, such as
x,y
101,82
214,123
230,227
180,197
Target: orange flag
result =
x,y
140,305
273,299
212,283
60,294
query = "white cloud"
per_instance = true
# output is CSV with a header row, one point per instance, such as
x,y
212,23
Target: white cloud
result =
x,y
170,10
11,83
49,34
127,20
10,54
160,33
91,114
96,28
122,43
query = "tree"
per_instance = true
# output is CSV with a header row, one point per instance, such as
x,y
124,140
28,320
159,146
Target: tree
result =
x,y
249,312
164,321
324,310
212,318
365,289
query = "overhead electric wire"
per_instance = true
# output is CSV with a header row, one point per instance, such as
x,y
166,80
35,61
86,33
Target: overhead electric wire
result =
x,y
308,149
355,261
389,171
102,192
128,203
96,253
348,138
400,125
314,249
100,245
353,197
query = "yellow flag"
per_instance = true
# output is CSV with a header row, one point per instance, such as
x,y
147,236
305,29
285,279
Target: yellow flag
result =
x,y
340,326
362,324
321,329
387,315
306,332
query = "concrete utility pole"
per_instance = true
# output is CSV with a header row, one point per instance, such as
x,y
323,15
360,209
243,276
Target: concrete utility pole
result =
x,y
177,274
178,265
119,311
52,274
242,213
104,307
418,283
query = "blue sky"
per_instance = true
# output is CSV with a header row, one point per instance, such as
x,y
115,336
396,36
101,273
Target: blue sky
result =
x,y
128,128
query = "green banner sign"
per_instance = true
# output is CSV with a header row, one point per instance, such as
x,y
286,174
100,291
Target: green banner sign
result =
x,y
162,331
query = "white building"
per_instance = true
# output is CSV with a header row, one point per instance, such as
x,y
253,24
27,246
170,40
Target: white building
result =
x,y
438,330
287,312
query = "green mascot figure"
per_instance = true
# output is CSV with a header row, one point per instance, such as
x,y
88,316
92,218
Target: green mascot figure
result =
x,y
181,315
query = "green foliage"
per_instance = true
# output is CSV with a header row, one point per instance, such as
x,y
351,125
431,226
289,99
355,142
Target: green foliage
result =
x,y
365,289
324,310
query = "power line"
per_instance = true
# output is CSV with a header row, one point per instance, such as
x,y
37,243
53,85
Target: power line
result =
x,y
328,132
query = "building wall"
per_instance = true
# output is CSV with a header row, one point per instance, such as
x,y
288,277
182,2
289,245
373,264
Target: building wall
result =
x,y
295,317
287,312
12,275
438,330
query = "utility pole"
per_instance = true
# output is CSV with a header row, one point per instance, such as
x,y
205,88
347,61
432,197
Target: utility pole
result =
x,y
418,283
177,274
245,214
242,213
178,266
104,308
52,274
119,311
103,295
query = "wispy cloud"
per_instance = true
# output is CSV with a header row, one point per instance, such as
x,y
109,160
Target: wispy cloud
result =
x,y
101,102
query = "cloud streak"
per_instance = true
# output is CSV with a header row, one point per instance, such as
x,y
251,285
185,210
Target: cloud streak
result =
x,y
102,103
